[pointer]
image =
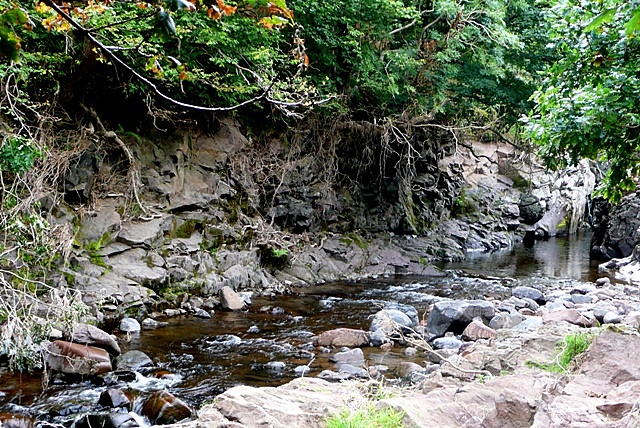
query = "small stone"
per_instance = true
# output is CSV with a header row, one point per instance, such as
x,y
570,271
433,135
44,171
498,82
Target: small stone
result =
x,y
116,398
632,319
603,282
477,330
530,293
378,370
275,366
302,370
406,368
163,408
530,323
173,312
353,370
531,304
149,324
505,320
129,325
612,318
55,334
338,337
378,338
352,356
581,299
253,329
133,360
201,313
386,346
583,289
332,376
571,316
410,352
246,296
390,321
447,343
231,300
556,304
104,420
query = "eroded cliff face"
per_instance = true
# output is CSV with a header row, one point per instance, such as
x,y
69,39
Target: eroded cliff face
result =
x,y
331,201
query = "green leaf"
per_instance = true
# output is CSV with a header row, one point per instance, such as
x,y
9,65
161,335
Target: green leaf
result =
x,y
634,23
603,18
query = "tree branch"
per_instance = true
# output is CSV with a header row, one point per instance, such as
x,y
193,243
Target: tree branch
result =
x,y
108,52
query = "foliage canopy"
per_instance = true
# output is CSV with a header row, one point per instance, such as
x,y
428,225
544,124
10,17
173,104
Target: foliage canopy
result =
x,y
448,59
588,105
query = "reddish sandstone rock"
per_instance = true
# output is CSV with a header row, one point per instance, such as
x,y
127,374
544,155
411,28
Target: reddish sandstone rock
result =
x,y
477,330
340,337
164,408
74,358
116,398
571,316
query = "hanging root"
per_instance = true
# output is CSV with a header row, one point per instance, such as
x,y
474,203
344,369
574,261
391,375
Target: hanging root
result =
x,y
134,167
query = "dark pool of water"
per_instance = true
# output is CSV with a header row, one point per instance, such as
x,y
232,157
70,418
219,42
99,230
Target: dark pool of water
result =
x,y
562,258
233,348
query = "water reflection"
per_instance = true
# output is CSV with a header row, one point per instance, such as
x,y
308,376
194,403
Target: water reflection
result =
x,y
561,258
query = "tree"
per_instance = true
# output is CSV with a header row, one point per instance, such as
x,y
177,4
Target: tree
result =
x,y
197,54
446,60
589,102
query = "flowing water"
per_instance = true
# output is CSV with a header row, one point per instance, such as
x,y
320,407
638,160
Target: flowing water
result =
x,y
271,343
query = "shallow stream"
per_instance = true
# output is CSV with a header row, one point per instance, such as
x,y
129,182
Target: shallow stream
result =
x,y
270,343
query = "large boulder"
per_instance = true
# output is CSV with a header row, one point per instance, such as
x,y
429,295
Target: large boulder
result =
x,y
74,358
455,315
86,334
231,300
616,228
303,402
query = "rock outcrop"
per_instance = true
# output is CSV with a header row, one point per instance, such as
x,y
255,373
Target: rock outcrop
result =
x,y
210,218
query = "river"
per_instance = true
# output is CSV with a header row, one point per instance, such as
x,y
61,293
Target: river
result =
x,y
270,343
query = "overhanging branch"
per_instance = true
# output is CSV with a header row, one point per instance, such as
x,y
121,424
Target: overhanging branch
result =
x,y
108,52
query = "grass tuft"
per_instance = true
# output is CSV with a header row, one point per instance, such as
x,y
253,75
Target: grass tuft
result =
x,y
573,345
367,417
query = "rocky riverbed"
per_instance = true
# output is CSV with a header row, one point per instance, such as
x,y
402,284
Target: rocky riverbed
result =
x,y
482,376
451,351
